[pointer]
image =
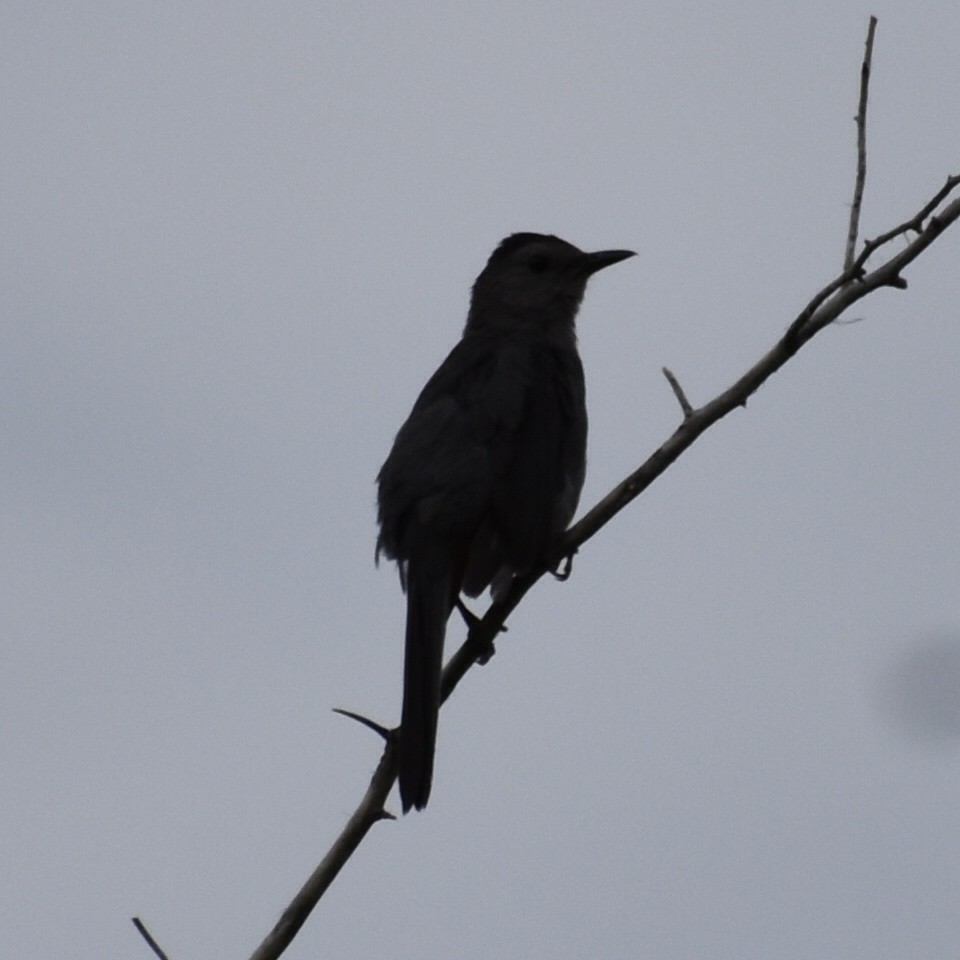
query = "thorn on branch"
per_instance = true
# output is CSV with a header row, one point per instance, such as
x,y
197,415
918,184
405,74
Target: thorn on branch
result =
x,y
377,728
685,404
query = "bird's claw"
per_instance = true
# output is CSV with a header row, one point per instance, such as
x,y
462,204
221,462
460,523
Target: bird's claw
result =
x,y
564,568
471,619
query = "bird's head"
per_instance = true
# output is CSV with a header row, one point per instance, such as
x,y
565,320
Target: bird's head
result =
x,y
535,278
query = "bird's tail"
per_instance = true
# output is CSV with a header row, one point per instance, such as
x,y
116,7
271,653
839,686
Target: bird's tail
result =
x,y
428,607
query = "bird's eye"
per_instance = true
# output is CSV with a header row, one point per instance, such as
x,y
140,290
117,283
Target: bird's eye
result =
x,y
538,263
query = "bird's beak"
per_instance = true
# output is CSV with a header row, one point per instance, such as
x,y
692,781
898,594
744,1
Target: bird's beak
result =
x,y
592,262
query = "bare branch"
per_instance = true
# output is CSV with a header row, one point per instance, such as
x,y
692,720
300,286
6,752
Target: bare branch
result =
x,y
145,933
854,228
370,811
914,224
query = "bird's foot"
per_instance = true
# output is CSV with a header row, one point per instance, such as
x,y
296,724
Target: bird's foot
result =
x,y
469,617
564,568
486,649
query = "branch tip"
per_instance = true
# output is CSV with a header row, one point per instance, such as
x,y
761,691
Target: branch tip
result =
x,y
853,229
914,223
145,933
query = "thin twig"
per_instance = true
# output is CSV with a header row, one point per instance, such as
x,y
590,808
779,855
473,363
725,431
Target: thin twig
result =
x,y
914,224
151,943
854,228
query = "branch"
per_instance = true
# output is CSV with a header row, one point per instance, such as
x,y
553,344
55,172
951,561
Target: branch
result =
x,y
854,228
914,224
370,811
151,943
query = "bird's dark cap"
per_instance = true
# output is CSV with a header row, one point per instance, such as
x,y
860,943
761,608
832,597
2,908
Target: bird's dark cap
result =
x,y
517,241
592,262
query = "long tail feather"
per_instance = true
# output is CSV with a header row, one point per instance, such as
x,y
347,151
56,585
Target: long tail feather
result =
x,y
428,606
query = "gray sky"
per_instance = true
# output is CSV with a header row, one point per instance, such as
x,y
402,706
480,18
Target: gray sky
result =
x,y
236,239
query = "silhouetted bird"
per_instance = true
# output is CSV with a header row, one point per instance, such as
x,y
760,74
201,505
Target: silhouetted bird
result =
x,y
486,472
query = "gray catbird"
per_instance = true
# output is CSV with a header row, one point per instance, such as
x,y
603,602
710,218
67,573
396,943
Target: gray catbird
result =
x,y
486,472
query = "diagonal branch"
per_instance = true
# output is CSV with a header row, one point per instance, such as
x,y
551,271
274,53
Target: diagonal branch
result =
x,y
370,811
148,936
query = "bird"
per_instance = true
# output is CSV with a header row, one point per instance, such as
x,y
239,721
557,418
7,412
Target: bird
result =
x,y
485,473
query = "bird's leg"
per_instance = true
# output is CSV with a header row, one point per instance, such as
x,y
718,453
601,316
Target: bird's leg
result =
x,y
472,620
469,617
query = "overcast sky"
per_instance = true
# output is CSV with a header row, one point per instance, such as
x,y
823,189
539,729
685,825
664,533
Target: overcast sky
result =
x,y
235,239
